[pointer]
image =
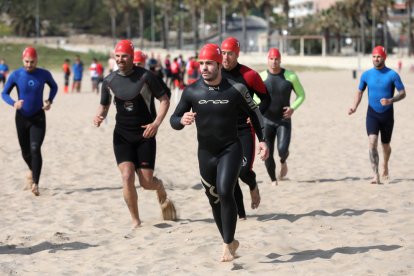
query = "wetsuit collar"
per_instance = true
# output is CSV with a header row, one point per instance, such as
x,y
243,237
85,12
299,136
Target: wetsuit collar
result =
x,y
282,71
127,73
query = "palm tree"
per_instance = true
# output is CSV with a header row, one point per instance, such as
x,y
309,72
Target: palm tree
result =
x,y
195,6
410,27
217,6
112,6
166,9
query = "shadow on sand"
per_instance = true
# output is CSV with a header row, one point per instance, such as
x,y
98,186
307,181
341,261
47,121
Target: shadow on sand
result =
x,y
326,254
295,217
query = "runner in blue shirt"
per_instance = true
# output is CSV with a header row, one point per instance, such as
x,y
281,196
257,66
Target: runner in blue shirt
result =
x,y
77,69
381,82
4,70
30,111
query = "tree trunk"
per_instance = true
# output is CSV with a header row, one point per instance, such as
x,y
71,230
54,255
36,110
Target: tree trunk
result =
x,y
195,28
410,28
141,26
219,26
165,31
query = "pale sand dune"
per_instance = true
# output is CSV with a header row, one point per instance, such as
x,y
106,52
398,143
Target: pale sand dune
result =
x,y
325,220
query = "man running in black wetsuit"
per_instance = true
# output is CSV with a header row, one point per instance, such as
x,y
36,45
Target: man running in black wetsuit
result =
x,y
216,104
137,122
277,119
251,79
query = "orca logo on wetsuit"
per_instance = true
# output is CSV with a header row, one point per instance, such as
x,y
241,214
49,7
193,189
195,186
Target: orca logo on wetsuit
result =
x,y
31,83
213,101
129,106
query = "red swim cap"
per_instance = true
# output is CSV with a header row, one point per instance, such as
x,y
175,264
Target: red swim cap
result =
x,y
379,50
124,46
231,44
139,56
273,53
29,52
211,52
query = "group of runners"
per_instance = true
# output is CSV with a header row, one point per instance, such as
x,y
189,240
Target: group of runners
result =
x,y
230,104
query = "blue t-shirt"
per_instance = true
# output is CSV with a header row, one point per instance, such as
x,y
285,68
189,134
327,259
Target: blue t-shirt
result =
x,y
77,69
3,69
29,89
381,84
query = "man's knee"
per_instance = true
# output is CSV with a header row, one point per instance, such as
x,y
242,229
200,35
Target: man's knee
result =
x,y
128,176
35,148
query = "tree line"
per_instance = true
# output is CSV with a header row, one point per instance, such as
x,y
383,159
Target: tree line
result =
x,y
153,20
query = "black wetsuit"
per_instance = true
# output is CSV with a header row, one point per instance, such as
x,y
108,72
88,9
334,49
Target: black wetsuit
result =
x,y
134,100
251,79
219,148
280,87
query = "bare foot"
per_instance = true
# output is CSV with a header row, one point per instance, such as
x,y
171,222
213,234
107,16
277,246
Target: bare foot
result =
x,y
283,170
255,195
29,181
168,210
242,218
375,179
234,246
134,231
35,189
385,174
229,251
161,193
274,183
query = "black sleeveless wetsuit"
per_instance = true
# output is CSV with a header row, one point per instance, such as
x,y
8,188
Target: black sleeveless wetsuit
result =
x,y
134,100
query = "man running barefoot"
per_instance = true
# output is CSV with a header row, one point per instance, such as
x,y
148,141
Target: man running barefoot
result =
x,y
381,82
214,104
277,119
242,74
30,108
137,122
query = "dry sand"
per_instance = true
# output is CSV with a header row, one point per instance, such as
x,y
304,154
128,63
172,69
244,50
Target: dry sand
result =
x,y
324,220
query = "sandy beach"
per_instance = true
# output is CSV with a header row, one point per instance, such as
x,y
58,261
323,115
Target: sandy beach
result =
x,y
325,219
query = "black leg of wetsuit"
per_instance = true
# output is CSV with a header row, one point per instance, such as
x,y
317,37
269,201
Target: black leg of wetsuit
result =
x,y
247,175
238,195
221,172
31,133
283,140
270,164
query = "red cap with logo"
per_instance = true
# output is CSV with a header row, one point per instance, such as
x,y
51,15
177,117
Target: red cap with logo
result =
x,y
125,46
231,44
211,52
273,53
139,56
29,52
380,51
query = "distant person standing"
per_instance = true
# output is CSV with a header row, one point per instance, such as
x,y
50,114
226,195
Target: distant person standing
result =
x,y
112,63
193,69
93,70
30,111
277,118
381,82
66,75
77,69
4,70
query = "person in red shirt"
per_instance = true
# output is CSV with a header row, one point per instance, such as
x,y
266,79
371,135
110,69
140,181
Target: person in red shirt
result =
x,y
193,68
66,75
